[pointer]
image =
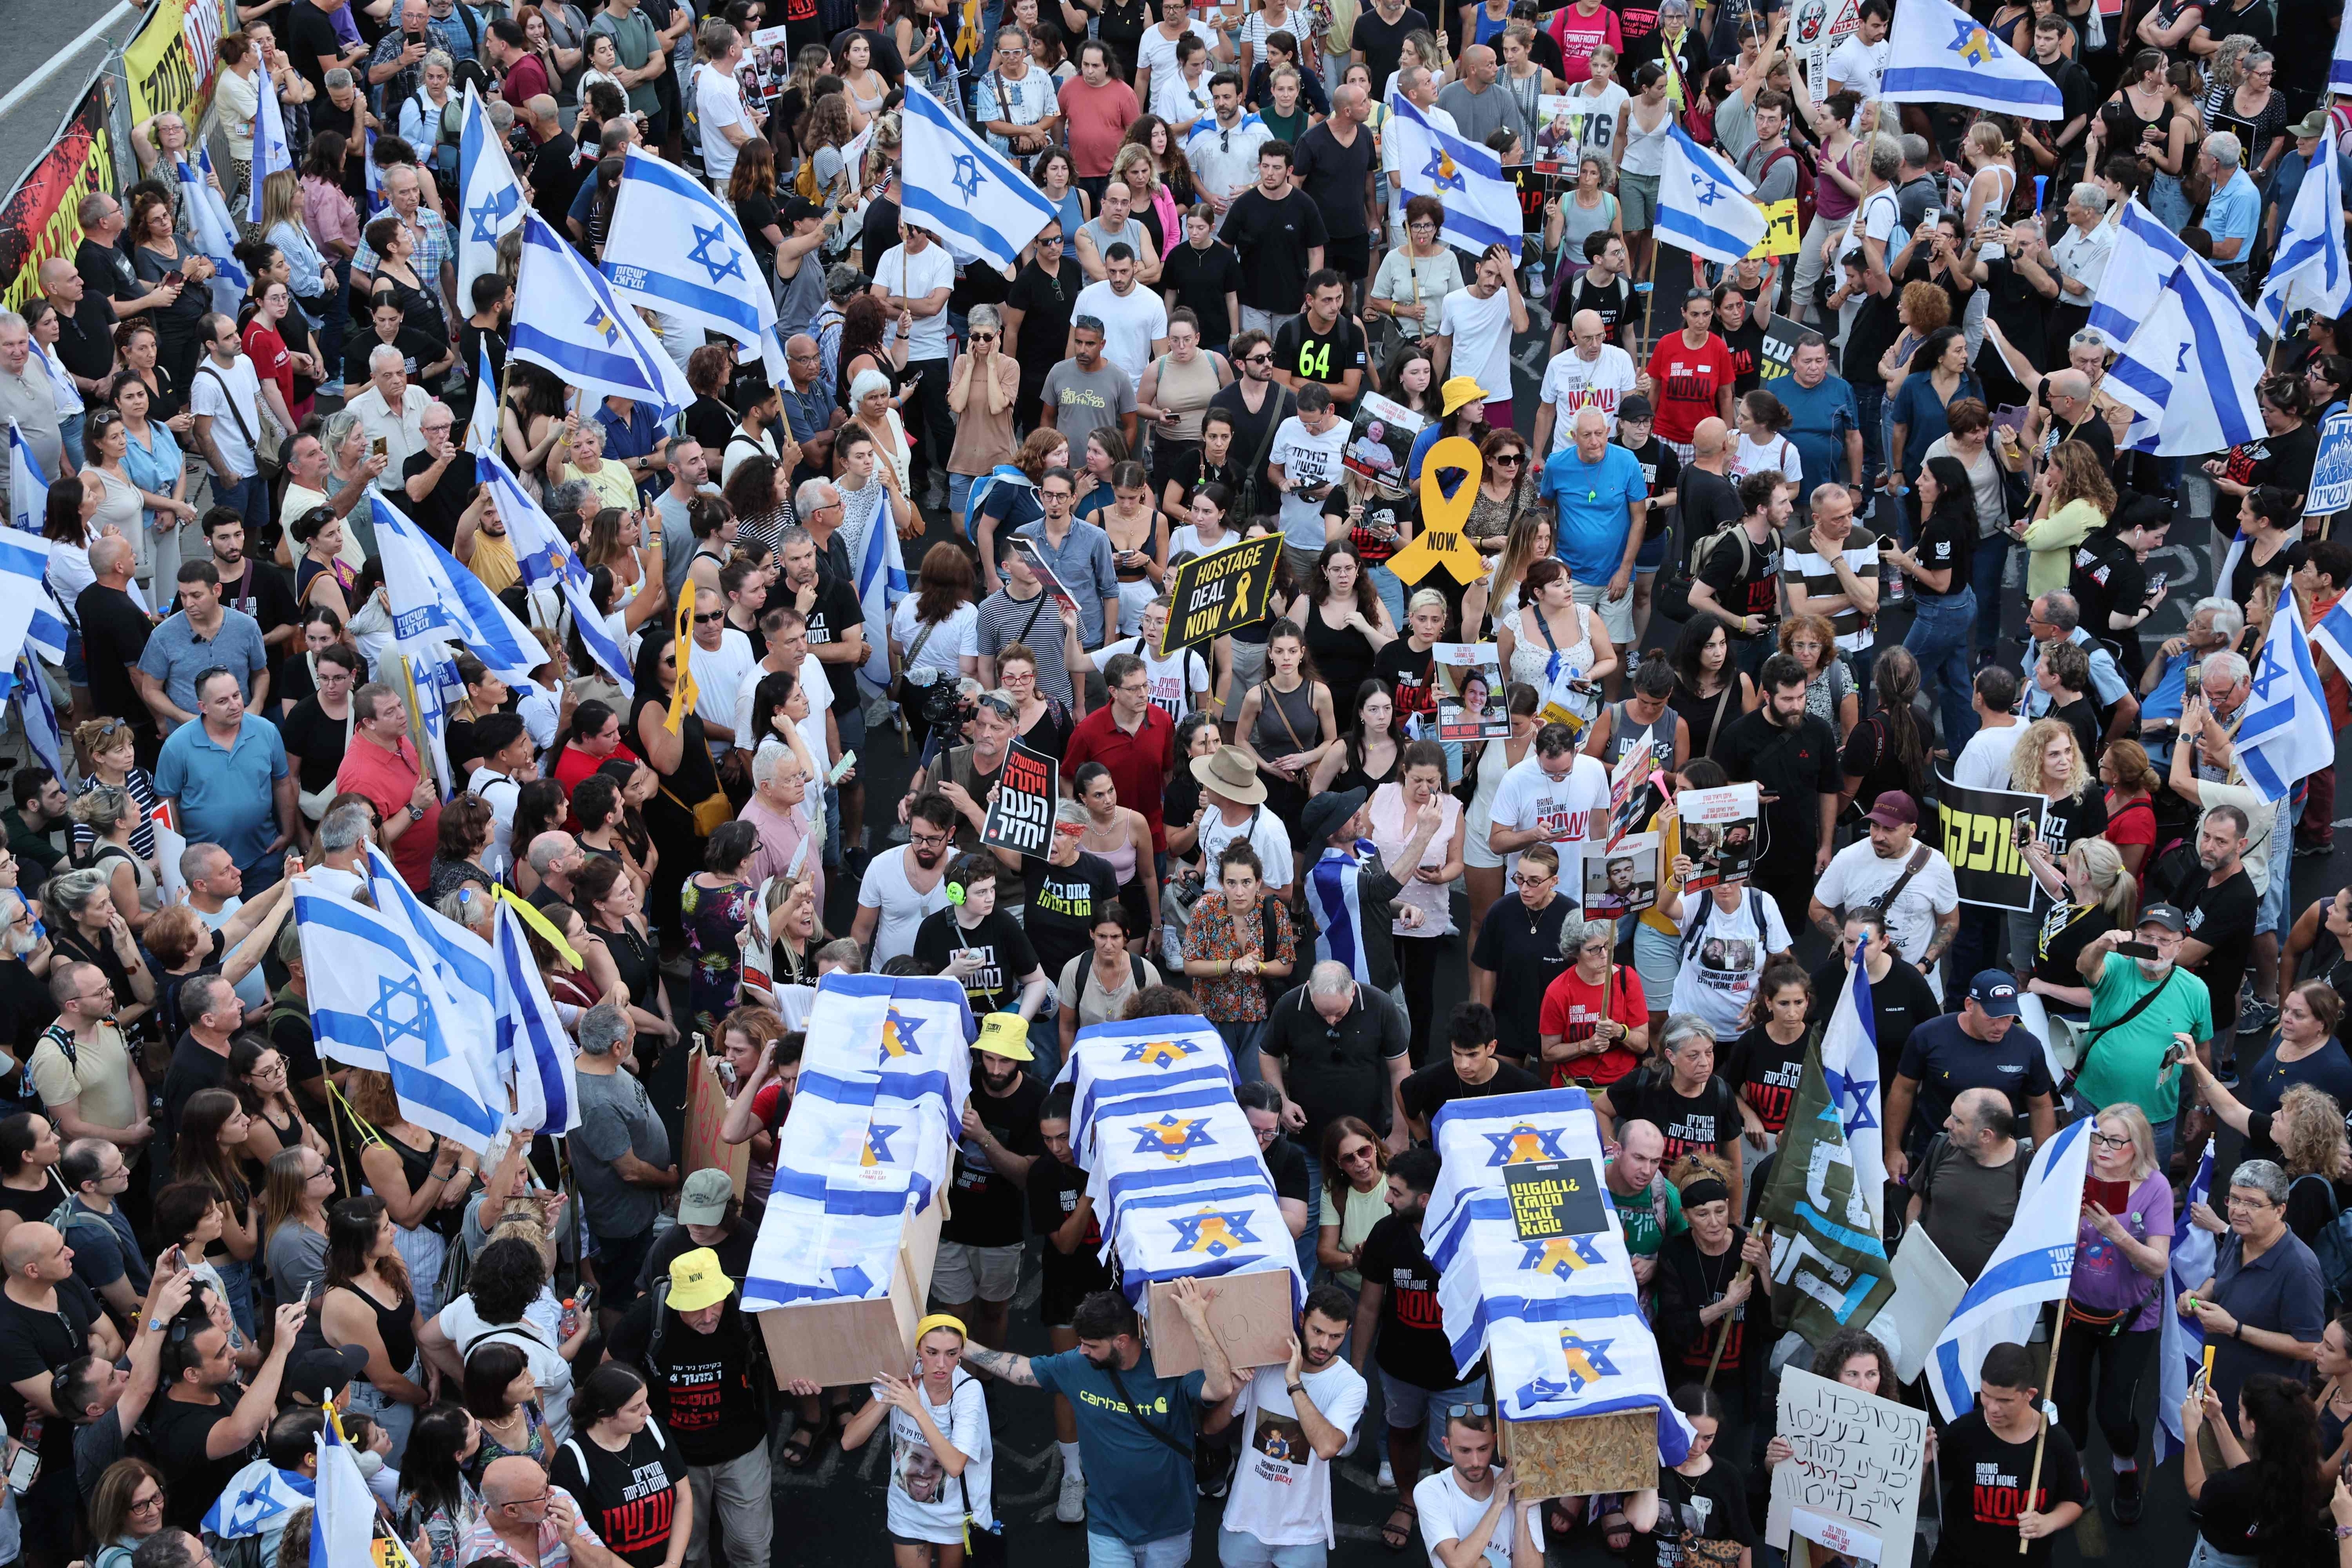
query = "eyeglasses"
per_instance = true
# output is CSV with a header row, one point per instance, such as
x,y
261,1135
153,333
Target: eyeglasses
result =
x,y
147,1504
927,840
2103,1141
1534,879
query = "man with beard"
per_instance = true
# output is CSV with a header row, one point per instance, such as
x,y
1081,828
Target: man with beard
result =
x,y
980,1246
900,890
1793,757
1135,1426
1294,1419
2216,896
254,590
483,544
1257,406
1907,881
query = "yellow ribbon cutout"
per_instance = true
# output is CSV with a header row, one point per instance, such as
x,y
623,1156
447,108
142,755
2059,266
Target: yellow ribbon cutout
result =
x,y
685,694
544,926
1440,544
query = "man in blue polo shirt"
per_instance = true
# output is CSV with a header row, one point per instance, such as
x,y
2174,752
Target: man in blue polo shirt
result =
x,y
2234,208
1596,490
227,775
1825,422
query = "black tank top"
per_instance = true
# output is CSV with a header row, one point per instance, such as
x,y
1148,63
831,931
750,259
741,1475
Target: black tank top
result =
x,y
395,1326
417,1169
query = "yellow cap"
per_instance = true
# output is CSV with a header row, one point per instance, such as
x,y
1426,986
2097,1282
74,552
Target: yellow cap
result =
x,y
1005,1035
697,1281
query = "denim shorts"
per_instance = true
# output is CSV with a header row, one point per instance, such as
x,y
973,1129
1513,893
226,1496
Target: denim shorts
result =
x,y
1653,553
1408,1406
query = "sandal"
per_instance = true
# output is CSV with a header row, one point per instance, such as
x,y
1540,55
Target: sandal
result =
x,y
1397,1536
801,1447
1616,1533
1562,1515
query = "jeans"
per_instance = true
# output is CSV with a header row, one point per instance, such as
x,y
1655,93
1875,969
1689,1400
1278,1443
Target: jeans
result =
x,y
1109,1552
1984,575
1241,1039
930,429
1938,639
2168,201
394,1418
1392,593
1239,1549
248,497
742,1491
236,1280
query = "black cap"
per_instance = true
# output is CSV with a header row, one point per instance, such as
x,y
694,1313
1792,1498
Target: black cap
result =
x,y
319,1374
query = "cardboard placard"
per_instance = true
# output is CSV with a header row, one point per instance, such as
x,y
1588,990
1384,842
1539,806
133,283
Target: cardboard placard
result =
x,y
1623,879
1779,230
1853,1481
1221,592
1778,354
706,1114
1635,782
1469,692
1249,1314
1020,806
1553,1199
1380,440
1582,1455
1718,834
1984,832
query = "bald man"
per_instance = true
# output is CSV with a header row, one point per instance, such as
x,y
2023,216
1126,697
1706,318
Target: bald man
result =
x,y
554,179
530,1521
1709,499
2073,418
1481,105
1593,374
1600,501
813,415
47,1318
85,331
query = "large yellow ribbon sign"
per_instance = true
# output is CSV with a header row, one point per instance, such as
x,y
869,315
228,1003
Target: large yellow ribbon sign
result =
x,y
1440,541
685,694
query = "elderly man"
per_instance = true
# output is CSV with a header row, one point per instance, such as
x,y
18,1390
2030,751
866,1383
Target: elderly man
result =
x,y
1965,1190
1972,1048
437,478
2056,618
621,1154
393,411
1597,489
1910,882
1596,375
2080,254
528,1521
1832,571
29,397
2263,1306
2234,210
1479,104
1338,1048
206,635
811,416
2213,627
2123,1061
780,785
435,259
382,764
2075,417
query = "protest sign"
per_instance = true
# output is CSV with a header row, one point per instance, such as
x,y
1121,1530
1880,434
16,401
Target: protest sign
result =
x,y
171,64
1469,693
42,217
1623,879
1718,834
1928,1290
1984,835
1777,357
1219,592
1036,559
705,1118
1568,697
1380,440
1851,1481
1553,1198
1021,810
1829,1268
2331,472
1779,230
1440,542
1633,784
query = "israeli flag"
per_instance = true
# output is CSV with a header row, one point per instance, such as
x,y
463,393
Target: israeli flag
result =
x,y
2191,369
271,152
1850,1063
1705,204
955,185
377,1002
29,488
2180,1353
2144,254
38,714
2333,635
2339,70
2284,735
547,562
260,1498
2034,1263
2310,271
567,320
1482,208
482,424
1127,1057
490,199
342,1530
872,541
1940,53
1333,893
212,231
435,599
677,248
461,961
532,1045
29,617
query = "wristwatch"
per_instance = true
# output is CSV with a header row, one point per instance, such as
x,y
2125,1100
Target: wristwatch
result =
x,y
415,813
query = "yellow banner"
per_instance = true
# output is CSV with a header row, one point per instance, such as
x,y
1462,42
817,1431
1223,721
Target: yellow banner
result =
x,y
42,217
170,64
1780,237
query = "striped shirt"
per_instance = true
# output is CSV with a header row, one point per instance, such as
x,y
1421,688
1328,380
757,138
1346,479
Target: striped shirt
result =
x,y
1820,580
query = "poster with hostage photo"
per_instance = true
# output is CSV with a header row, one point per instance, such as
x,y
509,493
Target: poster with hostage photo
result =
x,y
1380,440
1719,834
1624,881
1282,1440
1470,693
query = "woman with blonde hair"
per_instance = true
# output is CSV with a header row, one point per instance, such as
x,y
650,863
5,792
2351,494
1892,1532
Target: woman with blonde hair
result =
x,y
2077,499
2049,762
295,1191
421,1179
1993,175
1528,540
615,539
1153,203
1829,691
109,816
2099,896
2122,1245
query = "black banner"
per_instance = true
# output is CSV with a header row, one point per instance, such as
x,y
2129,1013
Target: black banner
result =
x,y
1020,806
1553,1198
1218,592
1985,831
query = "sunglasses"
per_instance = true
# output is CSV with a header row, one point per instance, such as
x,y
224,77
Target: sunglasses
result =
x,y
706,620
1508,459
983,337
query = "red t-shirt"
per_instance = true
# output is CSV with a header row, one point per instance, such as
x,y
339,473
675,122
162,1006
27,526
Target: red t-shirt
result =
x,y
388,778
526,78
572,764
1137,762
1097,119
1578,35
1687,379
1572,1008
271,362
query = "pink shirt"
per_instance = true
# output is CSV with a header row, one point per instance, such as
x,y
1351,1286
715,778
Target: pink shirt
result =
x,y
1577,34
327,214
388,778
781,834
1097,119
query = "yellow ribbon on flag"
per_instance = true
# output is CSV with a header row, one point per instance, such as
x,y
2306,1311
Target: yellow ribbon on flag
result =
x,y
543,925
685,694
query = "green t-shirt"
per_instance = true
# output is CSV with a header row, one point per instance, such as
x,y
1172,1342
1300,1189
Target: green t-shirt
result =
x,y
1638,1216
2122,1064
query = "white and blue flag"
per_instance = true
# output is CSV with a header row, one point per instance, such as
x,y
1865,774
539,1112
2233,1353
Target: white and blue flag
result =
x,y
490,198
2339,70
258,1500
460,960
28,487
377,1002
1482,206
1939,54
2144,254
271,151
2181,1352
482,424
37,712
433,599
29,616
952,184
2333,634
567,320
2033,1264
342,1528
212,231
679,250
1850,1065
2190,371
2284,735
2309,270
532,1047
1335,894
1705,204
547,562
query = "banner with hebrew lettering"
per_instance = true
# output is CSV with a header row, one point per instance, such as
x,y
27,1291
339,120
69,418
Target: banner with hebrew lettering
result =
x,y
1984,836
1020,806
1851,1481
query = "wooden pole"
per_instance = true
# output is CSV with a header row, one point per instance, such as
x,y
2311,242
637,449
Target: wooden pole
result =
x,y
1649,295
1723,1330
2042,1434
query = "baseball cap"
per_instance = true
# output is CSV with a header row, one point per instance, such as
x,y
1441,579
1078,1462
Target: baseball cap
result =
x,y
1995,990
703,1200
2163,915
318,1374
1895,809
697,1281
1635,407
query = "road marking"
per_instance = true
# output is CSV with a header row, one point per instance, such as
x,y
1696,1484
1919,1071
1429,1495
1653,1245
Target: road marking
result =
x,y
124,11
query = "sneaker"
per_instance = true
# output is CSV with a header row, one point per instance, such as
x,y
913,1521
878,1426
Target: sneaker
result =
x,y
2313,848
2256,1019
2128,1496
331,389
1387,1482
1070,1507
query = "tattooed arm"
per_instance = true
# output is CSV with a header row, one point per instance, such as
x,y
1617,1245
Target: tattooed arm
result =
x,y
1014,1369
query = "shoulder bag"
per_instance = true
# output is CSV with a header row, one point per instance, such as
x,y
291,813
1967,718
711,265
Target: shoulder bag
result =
x,y
1159,1433
268,445
1885,901
1256,470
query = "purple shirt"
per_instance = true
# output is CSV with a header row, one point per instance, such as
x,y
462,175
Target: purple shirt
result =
x,y
2104,1280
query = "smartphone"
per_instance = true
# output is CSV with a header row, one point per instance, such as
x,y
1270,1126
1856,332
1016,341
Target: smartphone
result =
x,y
2156,584
2136,949
379,448
175,277
22,1470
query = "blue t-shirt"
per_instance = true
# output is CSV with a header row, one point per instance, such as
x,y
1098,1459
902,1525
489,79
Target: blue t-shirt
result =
x,y
1142,1489
2231,213
1819,422
176,655
1590,499
225,796
1945,1061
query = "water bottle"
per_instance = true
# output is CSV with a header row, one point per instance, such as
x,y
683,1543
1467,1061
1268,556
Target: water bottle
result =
x,y
570,1323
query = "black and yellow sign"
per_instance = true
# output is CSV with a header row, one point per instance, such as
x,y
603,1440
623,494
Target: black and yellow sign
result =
x,y
1220,592
1779,230
1554,1199
1984,836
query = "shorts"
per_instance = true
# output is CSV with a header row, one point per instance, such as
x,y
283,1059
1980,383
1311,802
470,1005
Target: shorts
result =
x,y
1350,258
1637,200
1239,1549
1652,556
619,1260
1475,850
967,1273
1270,323
1248,669
1110,1552
1616,614
1409,1405
850,718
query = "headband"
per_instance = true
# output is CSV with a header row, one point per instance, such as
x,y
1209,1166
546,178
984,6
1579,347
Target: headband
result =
x,y
1705,1189
940,1321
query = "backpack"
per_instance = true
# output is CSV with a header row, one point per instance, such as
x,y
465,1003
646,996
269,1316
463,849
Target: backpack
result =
x,y
1805,180
1004,473
2331,1244
1671,595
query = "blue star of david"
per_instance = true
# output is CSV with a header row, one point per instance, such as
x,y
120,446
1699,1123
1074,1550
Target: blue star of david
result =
x,y
1444,173
1213,1231
1173,1135
1709,193
729,263
899,1034
1842,1089
491,212
877,1142
410,1024
1972,43
2269,675
1588,1360
967,174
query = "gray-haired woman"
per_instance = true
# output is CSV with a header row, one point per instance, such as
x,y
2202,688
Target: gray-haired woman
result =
x,y
85,927
1689,1104
981,389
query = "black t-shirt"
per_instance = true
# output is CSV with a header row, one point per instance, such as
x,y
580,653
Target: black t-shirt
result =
x,y
320,741
1251,434
1945,1062
1382,43
554,179
1985,1481
1661,471
1522,951
34,1342
1765,1072
2066,930
1346,1075
757,213
1901,1002
2221,917
1688,1281
1044,301
1868,339
113,634
1322,356
2106,579
1708,1506
1708,1120
180,1431
706,1386
628,1499
836,611
1053,1192
734,1253
1410,677
1746,346
1709,502
1271,238
1744,590
1200,278
261,591
2284,459
1004,949
1946,537
986,1211
1063,903
193,1065
1433,1087
445,503
311,33
880,230
1333,177
1613,302
1413,1344
2288,560
1798,766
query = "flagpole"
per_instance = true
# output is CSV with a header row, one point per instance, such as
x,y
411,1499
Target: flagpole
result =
x,y
2042,1436
1723,1334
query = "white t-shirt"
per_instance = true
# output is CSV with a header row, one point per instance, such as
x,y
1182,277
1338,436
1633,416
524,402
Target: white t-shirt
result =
x,y
1983,762
910,275
1449,1513
1481,330
1719,978
463,1324
926,1502
1263,831
205,396
1857,66
1858,876
1780,455
952,640
1880,215
500,793
719,674
1178,101
885,888
1156,51
1282,1488
1173,679
1311,461
717,103
1572,384
1567,809
811,728
1131,324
